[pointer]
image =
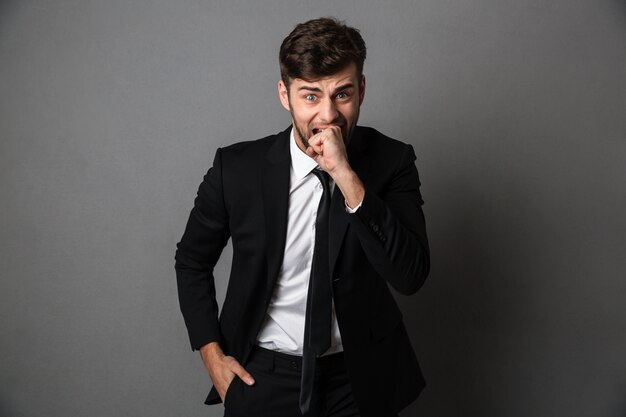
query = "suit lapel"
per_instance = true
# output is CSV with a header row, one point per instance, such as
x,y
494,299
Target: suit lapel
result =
x,y
275,183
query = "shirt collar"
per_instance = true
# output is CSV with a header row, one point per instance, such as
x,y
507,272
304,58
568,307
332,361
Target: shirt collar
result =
x,y
301,163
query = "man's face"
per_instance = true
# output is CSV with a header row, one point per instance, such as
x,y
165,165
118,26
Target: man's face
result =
x,y
328,101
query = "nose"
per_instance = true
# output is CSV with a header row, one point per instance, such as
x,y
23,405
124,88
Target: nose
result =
x,y
328,112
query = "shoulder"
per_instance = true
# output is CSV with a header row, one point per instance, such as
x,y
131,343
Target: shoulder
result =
x,y
371,141
254,149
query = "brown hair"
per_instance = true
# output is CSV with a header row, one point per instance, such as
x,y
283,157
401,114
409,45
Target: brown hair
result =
x,y
319,48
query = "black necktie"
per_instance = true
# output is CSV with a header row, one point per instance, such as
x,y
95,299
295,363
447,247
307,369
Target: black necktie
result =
x,y
319,300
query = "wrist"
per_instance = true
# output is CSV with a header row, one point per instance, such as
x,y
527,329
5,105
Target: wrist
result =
x,y
342,174
351,187
211,351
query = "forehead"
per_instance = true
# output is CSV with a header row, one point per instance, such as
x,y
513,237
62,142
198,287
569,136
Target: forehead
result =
x,y
344,76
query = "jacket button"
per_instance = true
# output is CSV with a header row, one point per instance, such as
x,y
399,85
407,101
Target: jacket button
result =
x,y
375,228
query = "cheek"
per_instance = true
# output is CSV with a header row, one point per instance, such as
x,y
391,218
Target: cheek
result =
x,y
350,112
303,114
308,120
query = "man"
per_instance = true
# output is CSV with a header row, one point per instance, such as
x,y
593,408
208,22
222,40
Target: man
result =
x,y
323,217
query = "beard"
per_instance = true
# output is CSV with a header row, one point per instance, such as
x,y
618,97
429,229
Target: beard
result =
x,y
303,138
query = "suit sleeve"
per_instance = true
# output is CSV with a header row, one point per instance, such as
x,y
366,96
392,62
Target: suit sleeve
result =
x,y
391,228
202,243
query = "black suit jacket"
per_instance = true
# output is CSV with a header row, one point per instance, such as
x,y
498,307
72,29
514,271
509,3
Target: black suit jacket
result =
x,y
244,196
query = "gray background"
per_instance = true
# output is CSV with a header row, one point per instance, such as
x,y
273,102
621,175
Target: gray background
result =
x,y
111,111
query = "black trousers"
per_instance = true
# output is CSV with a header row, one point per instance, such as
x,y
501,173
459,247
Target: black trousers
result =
x,y
276,392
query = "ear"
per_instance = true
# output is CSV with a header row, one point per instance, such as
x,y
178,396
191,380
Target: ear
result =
x,y
362,90
283,95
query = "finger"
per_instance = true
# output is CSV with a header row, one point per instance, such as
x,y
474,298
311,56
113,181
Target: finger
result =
x,y
333,132
314,151
311,152
317,143
318,149
316,140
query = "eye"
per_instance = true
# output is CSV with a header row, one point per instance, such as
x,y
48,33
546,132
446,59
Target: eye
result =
x,y
310,97
343,95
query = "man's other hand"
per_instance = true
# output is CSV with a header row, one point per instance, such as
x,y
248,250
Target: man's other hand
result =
x,y
222,369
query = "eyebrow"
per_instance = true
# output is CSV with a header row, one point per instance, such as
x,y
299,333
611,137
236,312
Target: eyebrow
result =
x,y
319,90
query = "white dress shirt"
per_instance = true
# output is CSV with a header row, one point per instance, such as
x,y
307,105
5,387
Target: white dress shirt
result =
x,y
283,329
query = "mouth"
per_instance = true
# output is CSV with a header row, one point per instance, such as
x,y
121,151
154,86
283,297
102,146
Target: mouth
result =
x,y
317,130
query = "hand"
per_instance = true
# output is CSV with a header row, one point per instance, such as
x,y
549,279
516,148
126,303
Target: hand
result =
x,y
329,151
222,369
327,148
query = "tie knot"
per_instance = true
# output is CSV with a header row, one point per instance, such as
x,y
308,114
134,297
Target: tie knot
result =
x,y
323,177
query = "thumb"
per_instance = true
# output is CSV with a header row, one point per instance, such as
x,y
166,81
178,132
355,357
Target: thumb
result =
x,y
241,372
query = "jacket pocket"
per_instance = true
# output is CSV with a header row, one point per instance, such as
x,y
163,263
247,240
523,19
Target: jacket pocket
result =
x,y
230,392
